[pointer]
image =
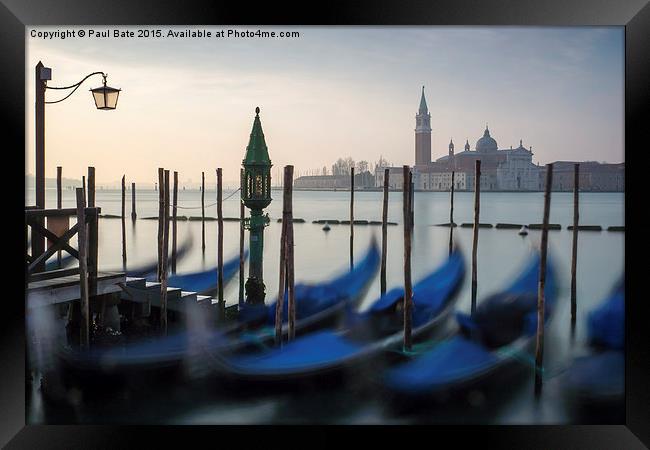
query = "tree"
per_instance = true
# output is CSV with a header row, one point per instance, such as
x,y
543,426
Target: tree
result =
x,y
342,166
362,166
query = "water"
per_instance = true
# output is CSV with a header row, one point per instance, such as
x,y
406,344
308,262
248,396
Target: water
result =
x,y
319,255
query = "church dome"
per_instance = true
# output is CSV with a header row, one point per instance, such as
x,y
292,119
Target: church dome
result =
x,y
486,143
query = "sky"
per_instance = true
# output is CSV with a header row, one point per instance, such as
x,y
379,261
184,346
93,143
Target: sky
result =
x,y
187,104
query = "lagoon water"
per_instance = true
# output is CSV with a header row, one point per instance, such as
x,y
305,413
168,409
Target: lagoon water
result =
x,y
320,254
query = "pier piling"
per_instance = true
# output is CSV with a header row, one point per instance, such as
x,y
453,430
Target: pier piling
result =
x,y
91,187
351,218
165,252
203,211
161,200
83,269
539,347
384,230
291,303
133,214
283,270
574,249
59,203
477,209
408,294
83,186
451,213
124,222
174,221
222,306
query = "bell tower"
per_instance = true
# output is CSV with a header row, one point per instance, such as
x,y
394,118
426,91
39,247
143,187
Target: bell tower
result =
x,y
451,153
422,133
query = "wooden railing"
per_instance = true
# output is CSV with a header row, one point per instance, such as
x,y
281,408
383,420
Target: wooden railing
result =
x,y
35,262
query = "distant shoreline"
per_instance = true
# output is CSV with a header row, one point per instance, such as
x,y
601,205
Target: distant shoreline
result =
x,y
376,189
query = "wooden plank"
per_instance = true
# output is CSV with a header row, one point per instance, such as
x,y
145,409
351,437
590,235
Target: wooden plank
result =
x,y
59,243
37,213
50,274
70,280
66,289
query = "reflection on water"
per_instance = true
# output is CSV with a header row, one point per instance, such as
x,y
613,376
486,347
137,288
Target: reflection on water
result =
x,y
319,255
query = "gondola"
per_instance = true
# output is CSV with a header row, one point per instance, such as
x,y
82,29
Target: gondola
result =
x,y
598,378
369,334
149,271
171,351
317,305
487,344
205,282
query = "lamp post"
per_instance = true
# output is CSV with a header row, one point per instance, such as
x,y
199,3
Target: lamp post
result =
x,y
256,195
105,98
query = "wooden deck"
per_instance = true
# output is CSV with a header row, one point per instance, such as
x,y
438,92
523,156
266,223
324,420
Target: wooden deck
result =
x,y
66,289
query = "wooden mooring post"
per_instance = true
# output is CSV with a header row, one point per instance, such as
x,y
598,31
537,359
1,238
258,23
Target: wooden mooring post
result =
x,y
451,213
477,210
279,305
203,211
133,214
59,203
91,187
222,305
83,269
539,347
161,200
408,294
174,220
165,252
124,222
384,233
291,303
93,237
574,248
83,186
351,218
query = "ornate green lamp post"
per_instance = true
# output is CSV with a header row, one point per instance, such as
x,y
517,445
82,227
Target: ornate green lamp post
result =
x,y
256,195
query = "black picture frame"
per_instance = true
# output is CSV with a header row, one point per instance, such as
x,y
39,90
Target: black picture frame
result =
x,y
634,15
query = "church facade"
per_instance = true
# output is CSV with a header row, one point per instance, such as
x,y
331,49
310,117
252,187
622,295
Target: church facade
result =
x,y
501,169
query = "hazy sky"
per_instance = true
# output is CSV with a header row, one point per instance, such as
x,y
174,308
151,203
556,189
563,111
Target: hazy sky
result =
x,y
188,104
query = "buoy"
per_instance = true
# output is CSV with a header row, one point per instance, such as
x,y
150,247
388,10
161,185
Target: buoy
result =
x,y
326,227
523,231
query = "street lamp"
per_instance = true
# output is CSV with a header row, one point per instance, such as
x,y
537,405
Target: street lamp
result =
x,y
105,98
256,195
